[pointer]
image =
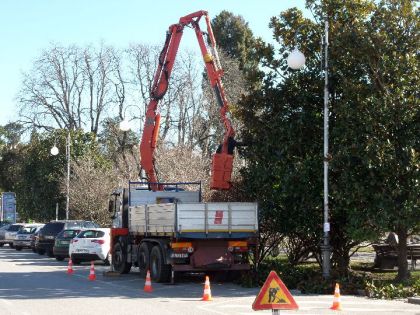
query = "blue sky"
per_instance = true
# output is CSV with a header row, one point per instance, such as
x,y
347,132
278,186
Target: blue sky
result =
x,y
27,27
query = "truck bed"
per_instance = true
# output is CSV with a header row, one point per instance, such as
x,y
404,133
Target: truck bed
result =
x,y
195,220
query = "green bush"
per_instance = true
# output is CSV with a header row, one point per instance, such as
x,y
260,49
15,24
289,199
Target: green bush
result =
x,y
390,291
308,278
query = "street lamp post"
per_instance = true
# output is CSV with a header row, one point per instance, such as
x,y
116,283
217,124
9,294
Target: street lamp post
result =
x,y
296,60
55,151
325,248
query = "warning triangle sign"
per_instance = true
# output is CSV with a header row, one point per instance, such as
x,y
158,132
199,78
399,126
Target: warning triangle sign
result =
x,y
274,295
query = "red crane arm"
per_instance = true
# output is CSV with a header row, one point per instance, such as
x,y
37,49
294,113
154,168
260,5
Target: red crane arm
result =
x,y
223,158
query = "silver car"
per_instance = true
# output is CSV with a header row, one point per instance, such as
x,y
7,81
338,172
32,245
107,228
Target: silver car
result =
x,y
2,233
10,234
23,236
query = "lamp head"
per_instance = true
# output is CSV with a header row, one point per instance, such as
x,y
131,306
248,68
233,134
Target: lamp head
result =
x,y
54,150
296,60
125,125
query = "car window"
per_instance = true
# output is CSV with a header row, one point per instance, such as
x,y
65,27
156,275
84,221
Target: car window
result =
x,y
27,230
91,234
69,233
72,225
14,228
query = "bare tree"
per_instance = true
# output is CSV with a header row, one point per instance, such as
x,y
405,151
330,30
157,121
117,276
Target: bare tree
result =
x,y
69,88
90,186
182,164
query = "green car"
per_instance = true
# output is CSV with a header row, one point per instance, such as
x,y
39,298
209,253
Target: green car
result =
x,y
62,242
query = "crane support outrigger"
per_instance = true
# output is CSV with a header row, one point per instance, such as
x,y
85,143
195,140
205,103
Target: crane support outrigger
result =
x,y
222,160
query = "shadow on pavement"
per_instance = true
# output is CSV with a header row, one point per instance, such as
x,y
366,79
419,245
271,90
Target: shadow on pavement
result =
x,y
56,284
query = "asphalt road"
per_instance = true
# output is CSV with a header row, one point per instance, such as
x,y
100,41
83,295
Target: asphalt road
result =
x,y
33,285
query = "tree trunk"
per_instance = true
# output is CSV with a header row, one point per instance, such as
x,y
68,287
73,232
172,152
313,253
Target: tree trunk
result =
x,y
343,263
403,273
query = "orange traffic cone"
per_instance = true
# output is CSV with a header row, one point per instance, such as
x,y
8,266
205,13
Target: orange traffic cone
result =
x,y
148,283
92,275
70,267
336,302
207,291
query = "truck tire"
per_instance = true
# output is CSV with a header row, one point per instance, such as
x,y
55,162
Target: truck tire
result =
x,y
18,248
159,271
143,257
119,259
1,244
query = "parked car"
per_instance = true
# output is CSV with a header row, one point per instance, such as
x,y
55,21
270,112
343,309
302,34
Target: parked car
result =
x,y
23,236
10,234
91,244
62,243
46,236
3,223
34,241
2,233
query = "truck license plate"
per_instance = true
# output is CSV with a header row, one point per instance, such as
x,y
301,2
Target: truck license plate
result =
x,y
179,255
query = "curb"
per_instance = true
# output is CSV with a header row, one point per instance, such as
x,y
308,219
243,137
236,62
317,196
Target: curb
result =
x,y
414,300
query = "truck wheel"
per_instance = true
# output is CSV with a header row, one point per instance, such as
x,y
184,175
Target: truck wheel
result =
x,y
159,271
11,245
144,257
18,248
1,244
119,259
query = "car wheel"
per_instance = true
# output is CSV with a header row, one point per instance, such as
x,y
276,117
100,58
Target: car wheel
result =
x,y
119,259
106,260
50,253
75,261
18,248
59,258
1,244
160,272
143,258
41,251
11,245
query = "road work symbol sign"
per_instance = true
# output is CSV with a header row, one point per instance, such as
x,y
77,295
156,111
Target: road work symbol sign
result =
x,y
274,295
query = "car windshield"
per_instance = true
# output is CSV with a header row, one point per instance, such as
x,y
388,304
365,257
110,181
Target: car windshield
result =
x,y
27,230
14,228
68,233
91,234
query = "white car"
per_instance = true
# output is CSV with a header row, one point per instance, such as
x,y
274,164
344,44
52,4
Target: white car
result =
x,y
24,235
91,244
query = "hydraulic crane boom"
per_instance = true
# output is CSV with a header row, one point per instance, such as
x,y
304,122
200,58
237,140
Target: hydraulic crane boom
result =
x,y
223,159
